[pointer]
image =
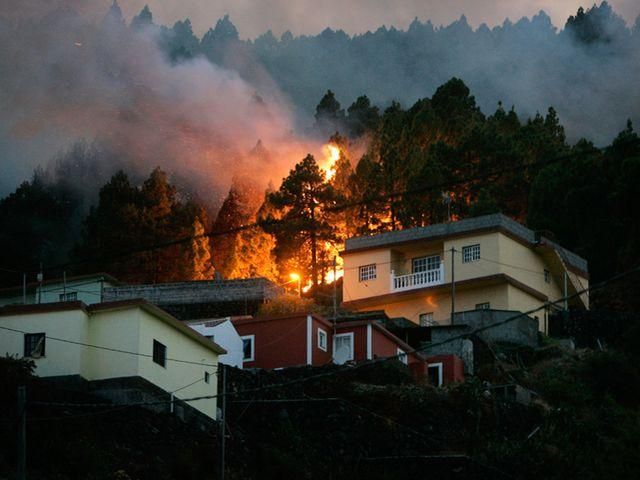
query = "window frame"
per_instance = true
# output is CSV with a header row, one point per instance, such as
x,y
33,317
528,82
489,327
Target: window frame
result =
x,y
351,345
35,336
159,356
252,339
471,253
321,333
64,297
428,323
402,356
367,272
426,259
440,367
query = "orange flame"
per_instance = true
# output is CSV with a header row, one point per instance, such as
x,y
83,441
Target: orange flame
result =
x,y
332,155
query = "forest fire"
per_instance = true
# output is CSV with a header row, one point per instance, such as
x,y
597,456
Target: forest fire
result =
x,y
332,155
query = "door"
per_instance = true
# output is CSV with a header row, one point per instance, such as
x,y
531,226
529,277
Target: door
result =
x,y
342,348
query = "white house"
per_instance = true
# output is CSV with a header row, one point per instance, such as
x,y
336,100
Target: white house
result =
x,y
222,332
88,289
122,342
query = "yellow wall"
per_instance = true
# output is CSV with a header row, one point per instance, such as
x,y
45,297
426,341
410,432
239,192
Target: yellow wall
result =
x,y
499,253
60,358
412,306
119,330
177,374
129,329
353,289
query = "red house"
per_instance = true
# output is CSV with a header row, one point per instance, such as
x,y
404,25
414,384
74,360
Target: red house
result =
x,y
309,339
285,341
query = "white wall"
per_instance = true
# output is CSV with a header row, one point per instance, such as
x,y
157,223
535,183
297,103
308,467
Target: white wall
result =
x,y
225,335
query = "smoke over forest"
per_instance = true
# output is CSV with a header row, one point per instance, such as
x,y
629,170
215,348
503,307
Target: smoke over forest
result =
x,y
140,94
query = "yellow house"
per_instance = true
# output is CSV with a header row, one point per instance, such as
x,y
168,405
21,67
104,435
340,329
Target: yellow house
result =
x,y
106,342
488,262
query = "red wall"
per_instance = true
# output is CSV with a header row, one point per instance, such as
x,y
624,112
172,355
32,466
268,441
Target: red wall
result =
x,y
321,357
282,342
452,367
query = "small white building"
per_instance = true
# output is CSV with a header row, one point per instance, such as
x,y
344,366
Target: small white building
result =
x,y
222,332
119,343
88,289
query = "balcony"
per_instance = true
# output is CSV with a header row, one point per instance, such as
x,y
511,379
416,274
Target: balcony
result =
x,y
427,278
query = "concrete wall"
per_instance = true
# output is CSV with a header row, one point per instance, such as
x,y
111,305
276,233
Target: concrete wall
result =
x,y
61,358
518,329
88,291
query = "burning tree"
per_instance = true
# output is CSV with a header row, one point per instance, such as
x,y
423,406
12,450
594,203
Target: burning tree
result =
x,y
301,220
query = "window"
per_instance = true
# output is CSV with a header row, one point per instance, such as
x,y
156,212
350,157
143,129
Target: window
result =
x,y
424,264
426,320
402,356
471,253
547,276
207,377
68,297
434,371
322,340
34,344
367,272
483,306
159,353
248,348
343,348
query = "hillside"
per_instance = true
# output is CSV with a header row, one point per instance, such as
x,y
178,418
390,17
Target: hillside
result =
x,y
366,422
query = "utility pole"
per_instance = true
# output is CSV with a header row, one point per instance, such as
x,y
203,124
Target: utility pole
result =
x,y
24,288
335,294
21,464
64,286
566,300
40,279
223,420
453,284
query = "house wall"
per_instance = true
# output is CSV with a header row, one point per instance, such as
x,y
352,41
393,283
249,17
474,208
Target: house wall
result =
x,y
88,291
353,288
176,375
61,358
278,342
18,300
412,306
117,329
227,337
319,356
452,368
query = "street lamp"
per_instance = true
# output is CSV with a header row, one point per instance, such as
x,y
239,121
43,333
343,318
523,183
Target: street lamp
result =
x,y
295,277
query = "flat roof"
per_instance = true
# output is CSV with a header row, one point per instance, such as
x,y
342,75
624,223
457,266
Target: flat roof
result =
x,y
496,221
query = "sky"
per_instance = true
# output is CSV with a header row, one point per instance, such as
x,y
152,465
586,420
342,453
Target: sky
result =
x,y
254,17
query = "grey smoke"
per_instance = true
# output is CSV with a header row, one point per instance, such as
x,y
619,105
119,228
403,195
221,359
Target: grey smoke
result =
x,y
67,76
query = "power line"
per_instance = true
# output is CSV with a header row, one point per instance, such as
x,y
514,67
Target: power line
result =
x,y
358,366
110,349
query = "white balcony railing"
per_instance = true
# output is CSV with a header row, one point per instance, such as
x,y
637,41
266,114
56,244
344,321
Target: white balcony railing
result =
x,y
427,278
